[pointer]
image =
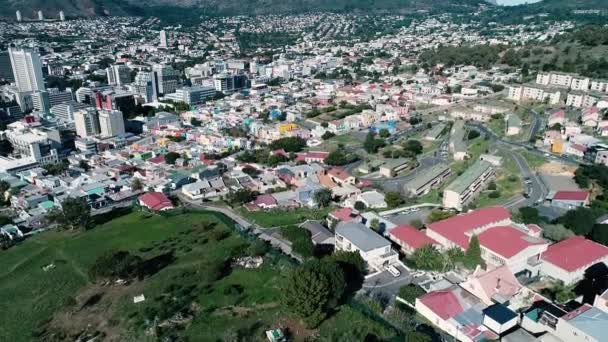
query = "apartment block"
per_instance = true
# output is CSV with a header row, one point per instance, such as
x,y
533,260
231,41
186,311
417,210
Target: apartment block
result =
x,y
468,185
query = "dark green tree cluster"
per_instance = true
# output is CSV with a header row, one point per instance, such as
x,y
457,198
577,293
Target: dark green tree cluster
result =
x,y
74,213
289,144
371,144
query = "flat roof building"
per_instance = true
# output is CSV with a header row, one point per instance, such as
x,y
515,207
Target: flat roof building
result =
x,y
466,187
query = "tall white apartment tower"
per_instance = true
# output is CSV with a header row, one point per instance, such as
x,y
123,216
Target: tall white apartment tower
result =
x,y
118,74
86,122
61,16
163,39
111,123
40,15
27,69
19,17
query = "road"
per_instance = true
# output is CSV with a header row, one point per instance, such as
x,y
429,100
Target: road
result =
x,y
269,235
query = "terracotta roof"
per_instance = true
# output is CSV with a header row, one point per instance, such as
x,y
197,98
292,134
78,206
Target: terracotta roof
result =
x,y
156,201
507,241
411,236
455,227
499,281
571,195
444,304
575,253
157,160
339,173
344,214
265,199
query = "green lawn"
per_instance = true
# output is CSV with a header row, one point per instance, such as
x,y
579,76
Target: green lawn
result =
x,y
534,160
497,126
284,217
508,184
29,295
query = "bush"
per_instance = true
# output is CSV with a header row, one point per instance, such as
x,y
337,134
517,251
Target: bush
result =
x,y
494,194
116,264
301,242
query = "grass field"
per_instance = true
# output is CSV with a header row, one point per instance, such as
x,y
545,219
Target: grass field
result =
x,y
64,300
284,217
508,184
534,160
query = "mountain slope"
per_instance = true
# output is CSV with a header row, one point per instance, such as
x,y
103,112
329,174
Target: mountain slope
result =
x,y
221,7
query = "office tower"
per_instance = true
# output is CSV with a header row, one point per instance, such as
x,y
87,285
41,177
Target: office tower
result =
x,y
111,123
27,69
6,70
65,111
45,100
145,85
167,79
87,122
194,95
19,17
61,16
40,16
163,39
229,83
118,74
87,94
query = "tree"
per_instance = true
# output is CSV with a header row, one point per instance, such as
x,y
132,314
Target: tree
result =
x,y
57,168
384,133
4,188
438,215
240,197
494,194
529,215
600,234
579,220
136,184
472,134
428,258
417,223
258,248
556,232
171,157
336,158
251,171
375,224
300,239
323,197
472,256
74,213
289,144
327,135
354,268
83,164
309,293
371,144
359,205
563,293
195,122
413,146
410,292
393,199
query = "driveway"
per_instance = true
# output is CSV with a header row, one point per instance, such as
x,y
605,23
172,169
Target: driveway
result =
x,y
385,285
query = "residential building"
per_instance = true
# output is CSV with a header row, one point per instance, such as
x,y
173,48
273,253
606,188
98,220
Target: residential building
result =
x,y
468,185
27,69
145,85
513,126
87,123
163,42
597,154
410,239
430,178
44,100
111,123
227,83
457,145
568,259
155,201
373,248
570,199
6,70
65,111
584,324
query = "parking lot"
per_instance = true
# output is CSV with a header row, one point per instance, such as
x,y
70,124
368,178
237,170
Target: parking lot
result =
x,y
408,217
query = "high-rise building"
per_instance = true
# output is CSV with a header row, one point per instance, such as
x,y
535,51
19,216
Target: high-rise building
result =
x,y
6,70
40,15
111,123
61,16
87,122
44,100
65,111
167,79
145,85
27,69
163,39
118,74
229,83
192,95
19,17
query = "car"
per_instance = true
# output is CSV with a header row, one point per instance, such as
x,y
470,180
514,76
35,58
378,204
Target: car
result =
x,y
393,271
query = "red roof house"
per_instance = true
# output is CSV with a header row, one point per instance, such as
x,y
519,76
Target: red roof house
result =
x,y
457,230
570,199
410,238
444,304
507,242
155,201
567,260
266,201
344,215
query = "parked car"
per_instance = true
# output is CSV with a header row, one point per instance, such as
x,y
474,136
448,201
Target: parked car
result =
x,y
393,270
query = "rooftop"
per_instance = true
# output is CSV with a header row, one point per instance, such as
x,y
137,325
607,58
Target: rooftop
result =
x,y
507,241
362,237
575,253
460,184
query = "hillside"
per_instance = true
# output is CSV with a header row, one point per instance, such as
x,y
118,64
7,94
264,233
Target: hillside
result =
x,y
222,7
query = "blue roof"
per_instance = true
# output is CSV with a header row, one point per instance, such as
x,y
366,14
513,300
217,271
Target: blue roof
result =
x,y
593,322
499,313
